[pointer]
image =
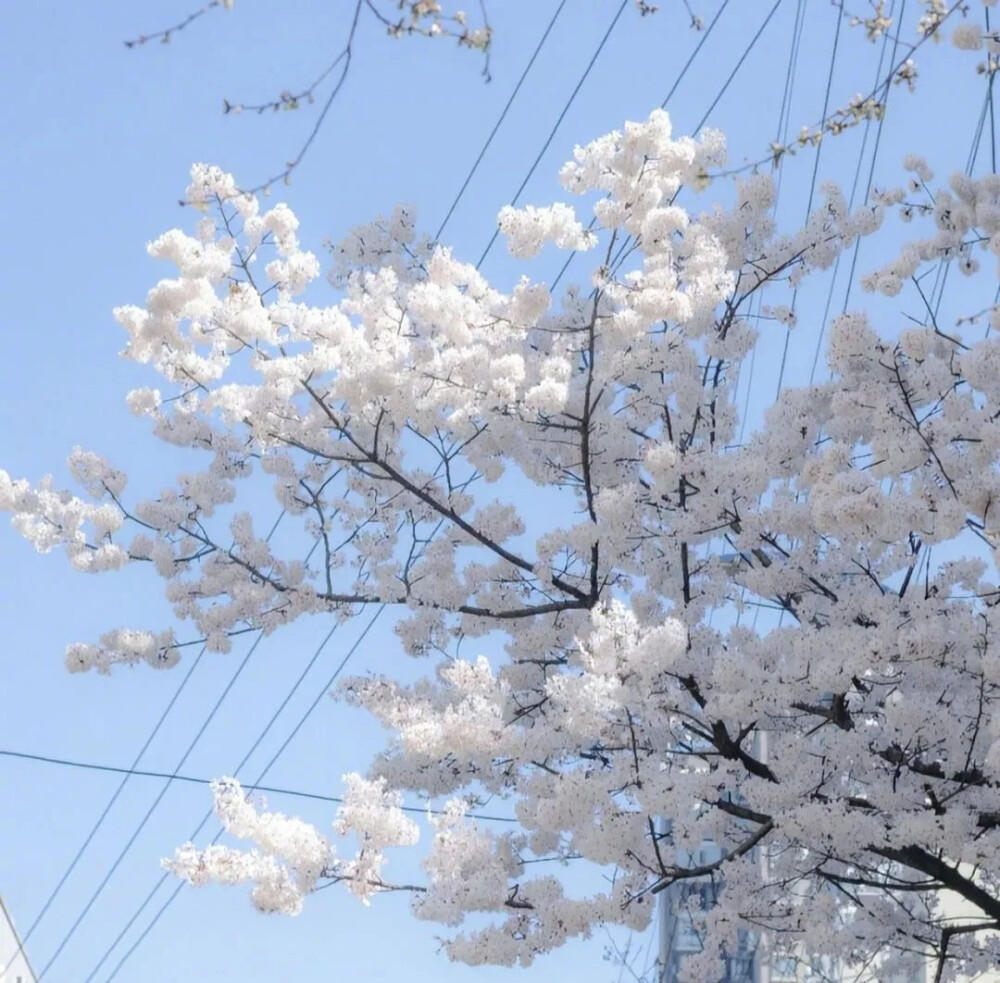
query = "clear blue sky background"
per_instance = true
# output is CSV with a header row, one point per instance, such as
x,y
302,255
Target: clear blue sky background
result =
x,y
95,145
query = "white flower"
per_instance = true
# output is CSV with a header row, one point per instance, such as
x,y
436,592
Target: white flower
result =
x,y
528,229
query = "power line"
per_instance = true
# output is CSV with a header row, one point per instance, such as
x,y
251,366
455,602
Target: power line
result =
x,y
263,773
558,123
520,190
500,119
991,78
795,292
663,105
441,228
722,91
694,54
785,113
871,169
781,137
524,182
149,812
281,749
850,204
812,194
118,791
944,265
53,894
786,102
444,222
194,780
208,815
738,65
166,786
127,773
759,605
242,763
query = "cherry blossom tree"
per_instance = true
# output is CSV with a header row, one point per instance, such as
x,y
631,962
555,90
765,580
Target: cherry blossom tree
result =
x,y
566,474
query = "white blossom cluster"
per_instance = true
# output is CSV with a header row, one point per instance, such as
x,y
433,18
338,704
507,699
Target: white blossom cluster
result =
x,y
843,757
289,856
288,859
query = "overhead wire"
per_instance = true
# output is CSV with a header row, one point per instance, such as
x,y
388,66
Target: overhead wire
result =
x,y
791,71
520,190
156,728
705,35
663,105
253,748
444,223
993,159
99,822
812,193
989,85
784,112
943,265
555,126
781,137
874,158
152,735
854,190
524,182
116,863
812,189
736,68
626,244
629,243
499,120
871,170
92,766
985,113
323,691
722,91
941,272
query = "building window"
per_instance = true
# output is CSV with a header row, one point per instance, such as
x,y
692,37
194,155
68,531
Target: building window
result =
x,y
784,968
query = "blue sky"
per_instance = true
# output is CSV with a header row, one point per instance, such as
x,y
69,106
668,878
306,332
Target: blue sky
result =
x,y
96,144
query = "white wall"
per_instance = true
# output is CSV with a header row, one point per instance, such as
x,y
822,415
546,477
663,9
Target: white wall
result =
x,y
18,971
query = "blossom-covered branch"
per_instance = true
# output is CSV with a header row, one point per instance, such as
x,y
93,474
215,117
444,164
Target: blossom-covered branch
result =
x,y
842,755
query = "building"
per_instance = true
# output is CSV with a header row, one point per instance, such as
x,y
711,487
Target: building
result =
x,y
682,901
679,908
14,965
